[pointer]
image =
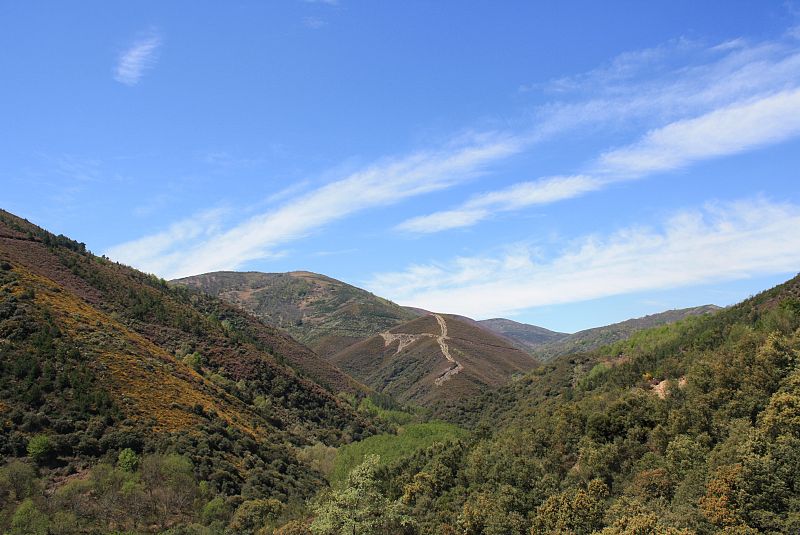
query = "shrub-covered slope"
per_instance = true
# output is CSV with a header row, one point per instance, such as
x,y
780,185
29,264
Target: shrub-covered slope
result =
x,y
96,357
324,313
590,339
686,428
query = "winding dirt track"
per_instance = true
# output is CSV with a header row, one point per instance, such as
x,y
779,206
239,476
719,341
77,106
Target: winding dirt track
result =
x,y
442,339
404,340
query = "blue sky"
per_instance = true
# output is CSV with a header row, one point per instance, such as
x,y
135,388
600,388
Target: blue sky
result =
x,y
568,164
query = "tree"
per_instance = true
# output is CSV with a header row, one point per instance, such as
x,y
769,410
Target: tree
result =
x,y
359,507
492,514
170,483
29,520
17,481
40,447
253,515
128,460
293,527
573,511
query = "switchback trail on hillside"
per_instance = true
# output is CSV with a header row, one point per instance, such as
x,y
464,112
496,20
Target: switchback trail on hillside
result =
x,y
404,340
442,339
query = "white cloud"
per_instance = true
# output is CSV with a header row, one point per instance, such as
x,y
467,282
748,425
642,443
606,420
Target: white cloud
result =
x,y
677,92
480,207
157,250
139,57
189,247
444,220
719,242
722,132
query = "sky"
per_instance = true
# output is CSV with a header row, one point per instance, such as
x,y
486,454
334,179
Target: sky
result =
x,y
567,164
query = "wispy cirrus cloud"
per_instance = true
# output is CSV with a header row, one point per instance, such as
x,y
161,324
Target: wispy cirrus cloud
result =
x,y
726,131
136,59
757,118
315,23
721,241
729,130
518,196
659,98
196,246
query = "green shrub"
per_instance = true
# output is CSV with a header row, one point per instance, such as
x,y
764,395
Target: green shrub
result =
x,y
29,520
40,448
127,460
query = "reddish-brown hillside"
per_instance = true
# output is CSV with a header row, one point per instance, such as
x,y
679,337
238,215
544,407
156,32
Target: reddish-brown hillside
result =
x,y
99,356
432,359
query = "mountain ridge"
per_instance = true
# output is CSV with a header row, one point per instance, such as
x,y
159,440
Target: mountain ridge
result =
x,y
324,313
546,344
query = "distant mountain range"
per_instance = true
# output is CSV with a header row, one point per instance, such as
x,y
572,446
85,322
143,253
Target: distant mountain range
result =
x,y
325,314
528,337
546,344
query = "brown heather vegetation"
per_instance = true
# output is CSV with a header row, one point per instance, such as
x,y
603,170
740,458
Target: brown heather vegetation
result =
x,y
409,375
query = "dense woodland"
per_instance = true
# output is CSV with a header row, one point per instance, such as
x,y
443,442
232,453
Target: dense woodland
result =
x,y
692,427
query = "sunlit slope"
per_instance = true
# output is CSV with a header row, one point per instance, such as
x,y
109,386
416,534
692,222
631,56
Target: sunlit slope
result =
x,y
434,358
98,356
326,314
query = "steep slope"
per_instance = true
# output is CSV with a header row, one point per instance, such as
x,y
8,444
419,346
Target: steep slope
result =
x,y
323,313
528,337
432,359
97,356
546,344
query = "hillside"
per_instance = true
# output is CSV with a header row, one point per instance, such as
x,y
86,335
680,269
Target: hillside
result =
x,y
528,337
325,314
96,357
685,428
432,359
590,339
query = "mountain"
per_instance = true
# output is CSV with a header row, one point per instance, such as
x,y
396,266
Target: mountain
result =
x,y
325,314
96,357
546,344
692,427
433,358
590,339
529,337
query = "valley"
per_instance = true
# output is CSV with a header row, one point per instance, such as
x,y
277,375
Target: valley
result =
x,y
443,422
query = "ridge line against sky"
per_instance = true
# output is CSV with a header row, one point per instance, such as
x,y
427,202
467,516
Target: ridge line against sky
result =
x,y
718,242
382,143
